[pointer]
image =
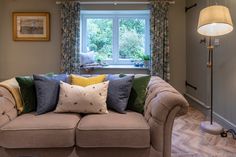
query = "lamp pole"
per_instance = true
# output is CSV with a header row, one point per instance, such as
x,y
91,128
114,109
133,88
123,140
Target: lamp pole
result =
x,y
210,65
210,126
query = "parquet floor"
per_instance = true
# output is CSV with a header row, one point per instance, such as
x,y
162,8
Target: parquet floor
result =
x,y
189,141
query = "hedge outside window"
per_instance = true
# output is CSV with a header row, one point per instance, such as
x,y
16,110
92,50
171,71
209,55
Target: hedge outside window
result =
x,y
116,37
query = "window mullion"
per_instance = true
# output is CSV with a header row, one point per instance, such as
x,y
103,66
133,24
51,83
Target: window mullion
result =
x,y
115,39
84,34
147,36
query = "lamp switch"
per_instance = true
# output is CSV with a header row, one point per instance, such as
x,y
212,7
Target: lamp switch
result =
x,y
217,42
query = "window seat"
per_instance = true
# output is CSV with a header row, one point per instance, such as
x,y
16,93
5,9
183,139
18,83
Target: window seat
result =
x,y
114,69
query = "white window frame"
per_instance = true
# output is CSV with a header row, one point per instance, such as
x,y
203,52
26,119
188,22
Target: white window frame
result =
x,y
115,16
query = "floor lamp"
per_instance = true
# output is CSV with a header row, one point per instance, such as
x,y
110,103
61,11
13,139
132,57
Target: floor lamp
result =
x,y
213,21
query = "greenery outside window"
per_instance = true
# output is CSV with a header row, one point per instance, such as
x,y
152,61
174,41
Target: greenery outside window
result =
x,y
116,37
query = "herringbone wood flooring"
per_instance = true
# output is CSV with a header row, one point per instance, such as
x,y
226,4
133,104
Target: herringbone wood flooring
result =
x,y
189,141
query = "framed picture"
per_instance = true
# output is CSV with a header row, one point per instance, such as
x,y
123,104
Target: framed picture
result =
x,y
31,26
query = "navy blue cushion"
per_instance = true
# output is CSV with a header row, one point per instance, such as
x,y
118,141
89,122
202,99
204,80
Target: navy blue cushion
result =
x,y
118,92
47,91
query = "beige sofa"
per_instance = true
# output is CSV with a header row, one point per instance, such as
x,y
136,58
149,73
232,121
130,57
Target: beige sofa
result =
x,y
95,135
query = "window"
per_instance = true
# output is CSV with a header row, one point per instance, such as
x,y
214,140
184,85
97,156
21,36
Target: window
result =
x,y
116,37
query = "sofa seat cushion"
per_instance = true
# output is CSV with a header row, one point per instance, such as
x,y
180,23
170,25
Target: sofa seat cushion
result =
x,y
43,131
128,130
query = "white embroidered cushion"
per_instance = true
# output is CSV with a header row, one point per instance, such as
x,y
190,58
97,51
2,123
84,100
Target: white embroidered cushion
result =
x,y
89,99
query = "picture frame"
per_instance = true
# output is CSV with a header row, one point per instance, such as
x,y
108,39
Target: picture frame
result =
x,y
31,26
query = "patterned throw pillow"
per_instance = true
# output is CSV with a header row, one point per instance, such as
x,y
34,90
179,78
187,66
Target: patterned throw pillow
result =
x,y
90,99
83,81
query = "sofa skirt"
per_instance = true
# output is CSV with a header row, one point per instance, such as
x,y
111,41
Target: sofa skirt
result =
x,y
76,152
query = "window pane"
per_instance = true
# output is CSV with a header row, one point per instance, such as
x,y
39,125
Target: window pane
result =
x,y
131,38
99,37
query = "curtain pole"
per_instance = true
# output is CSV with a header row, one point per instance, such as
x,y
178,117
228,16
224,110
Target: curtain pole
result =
x,y
116,2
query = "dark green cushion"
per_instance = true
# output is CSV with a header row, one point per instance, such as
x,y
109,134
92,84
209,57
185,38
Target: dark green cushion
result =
x,y
138,93
28,93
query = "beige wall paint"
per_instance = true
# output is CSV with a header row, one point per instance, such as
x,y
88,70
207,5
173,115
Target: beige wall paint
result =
x,y
177,45
25,58
196,53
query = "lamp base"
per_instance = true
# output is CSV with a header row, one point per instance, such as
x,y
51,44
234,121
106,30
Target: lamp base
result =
x,y
214,128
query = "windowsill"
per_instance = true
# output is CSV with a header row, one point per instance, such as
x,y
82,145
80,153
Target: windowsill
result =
x,y
115,69
123,67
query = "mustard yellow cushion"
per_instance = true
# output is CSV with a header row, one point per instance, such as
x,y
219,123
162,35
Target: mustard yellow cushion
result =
x,y
83,81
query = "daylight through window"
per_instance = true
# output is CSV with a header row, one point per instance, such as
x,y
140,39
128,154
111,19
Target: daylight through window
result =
x,y
116,37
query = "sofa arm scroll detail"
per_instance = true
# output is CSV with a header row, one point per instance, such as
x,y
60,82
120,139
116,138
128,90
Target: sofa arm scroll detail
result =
x,y
163,104
8,110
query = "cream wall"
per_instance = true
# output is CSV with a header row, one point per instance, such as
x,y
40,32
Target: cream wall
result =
x,y
178,45
25,58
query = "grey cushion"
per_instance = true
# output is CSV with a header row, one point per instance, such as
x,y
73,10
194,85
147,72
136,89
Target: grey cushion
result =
x,y
47,92
49,130
128,130
118,92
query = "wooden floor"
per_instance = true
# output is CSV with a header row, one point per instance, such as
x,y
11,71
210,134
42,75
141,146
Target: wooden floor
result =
x,y
189,141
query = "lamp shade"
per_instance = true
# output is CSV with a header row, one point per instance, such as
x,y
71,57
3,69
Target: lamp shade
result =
x,y
215,21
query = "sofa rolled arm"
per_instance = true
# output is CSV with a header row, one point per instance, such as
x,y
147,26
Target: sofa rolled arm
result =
x,y
163,104
8,109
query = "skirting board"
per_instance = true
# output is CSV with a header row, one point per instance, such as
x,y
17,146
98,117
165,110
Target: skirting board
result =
x,y
205,109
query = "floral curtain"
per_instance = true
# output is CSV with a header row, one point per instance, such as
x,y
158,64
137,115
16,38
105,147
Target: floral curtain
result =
x,y
70,33
160,39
